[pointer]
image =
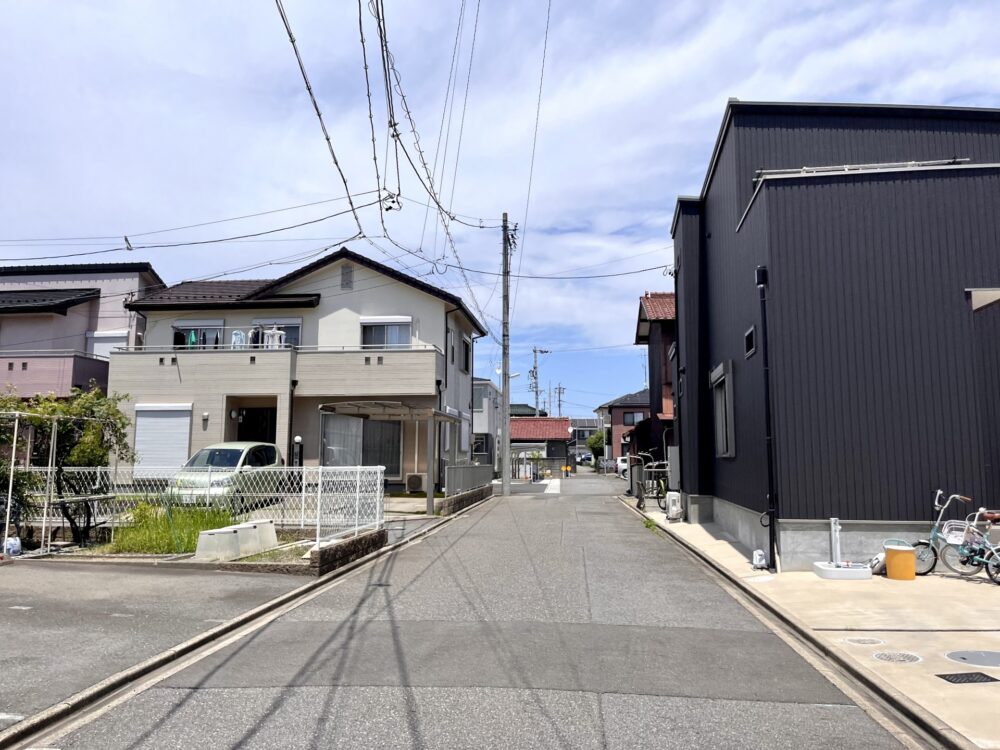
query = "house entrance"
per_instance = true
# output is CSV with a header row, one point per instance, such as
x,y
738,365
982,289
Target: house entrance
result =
x,y
257,424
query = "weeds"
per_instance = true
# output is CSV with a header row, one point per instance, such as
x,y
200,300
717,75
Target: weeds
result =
x,y
649,523
167,529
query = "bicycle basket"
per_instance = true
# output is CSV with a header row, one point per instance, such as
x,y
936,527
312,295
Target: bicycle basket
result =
x,y
961,532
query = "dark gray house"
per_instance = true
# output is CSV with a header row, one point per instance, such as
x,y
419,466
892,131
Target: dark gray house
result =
x,y
872,234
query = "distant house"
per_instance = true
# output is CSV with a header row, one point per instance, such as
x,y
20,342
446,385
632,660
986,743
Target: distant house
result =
x,y
856,247
526,410
369,366
59,323
583,428
549,437
486,427
656,328
624,414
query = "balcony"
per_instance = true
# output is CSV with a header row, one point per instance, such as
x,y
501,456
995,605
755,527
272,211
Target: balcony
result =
x,y
319,371
354,371
56,371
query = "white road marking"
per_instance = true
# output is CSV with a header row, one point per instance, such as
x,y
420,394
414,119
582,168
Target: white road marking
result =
x,y
19,606
119,614
552,486
11,717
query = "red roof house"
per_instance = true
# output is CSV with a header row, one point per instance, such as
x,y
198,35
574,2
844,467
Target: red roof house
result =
x,y
540,429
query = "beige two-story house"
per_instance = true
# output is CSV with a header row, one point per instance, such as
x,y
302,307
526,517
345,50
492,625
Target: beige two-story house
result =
x,y
363,363
59,323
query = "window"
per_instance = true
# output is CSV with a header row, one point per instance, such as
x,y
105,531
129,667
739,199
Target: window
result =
x,y
466,354
478,397
479,445
258,457
382,445
721,382
199,334
347,276
10,366
632,417
451,344
291,326
385,335
750,342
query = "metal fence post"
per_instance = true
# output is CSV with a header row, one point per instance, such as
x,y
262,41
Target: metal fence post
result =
x,y
302,483
319,501
357,501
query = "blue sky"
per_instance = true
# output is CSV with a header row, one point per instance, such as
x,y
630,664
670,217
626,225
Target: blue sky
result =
x,y
126,117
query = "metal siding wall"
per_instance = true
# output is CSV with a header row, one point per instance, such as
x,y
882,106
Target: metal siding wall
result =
x,y
872,339
695,468
790,141
987,326
732,306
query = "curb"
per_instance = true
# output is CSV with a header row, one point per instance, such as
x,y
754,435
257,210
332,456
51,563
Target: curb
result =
x,y
45,718
925,720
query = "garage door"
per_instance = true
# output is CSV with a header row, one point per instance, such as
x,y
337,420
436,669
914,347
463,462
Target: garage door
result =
x,y
162,434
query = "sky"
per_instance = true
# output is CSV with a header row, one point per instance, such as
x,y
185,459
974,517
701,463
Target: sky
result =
x,y
124,118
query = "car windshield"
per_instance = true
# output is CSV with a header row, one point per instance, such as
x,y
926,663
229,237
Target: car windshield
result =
x,y
224,457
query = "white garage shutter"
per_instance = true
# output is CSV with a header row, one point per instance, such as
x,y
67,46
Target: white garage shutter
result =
x,y
162,434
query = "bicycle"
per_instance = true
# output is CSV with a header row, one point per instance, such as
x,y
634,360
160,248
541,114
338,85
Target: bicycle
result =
x,y
960,545
653,482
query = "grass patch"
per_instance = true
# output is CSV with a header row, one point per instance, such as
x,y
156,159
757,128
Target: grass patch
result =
x,y
166,530
649,523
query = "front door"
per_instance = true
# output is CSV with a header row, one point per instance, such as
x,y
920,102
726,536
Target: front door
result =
x,y
257,424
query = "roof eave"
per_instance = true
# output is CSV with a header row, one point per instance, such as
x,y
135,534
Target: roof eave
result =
x,y
242,304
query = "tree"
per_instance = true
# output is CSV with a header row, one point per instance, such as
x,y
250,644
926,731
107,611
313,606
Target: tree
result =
x,y
596,444
90,429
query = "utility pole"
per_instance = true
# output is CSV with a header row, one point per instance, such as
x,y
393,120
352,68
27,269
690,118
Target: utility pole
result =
x,y
535,382
505,411
559,393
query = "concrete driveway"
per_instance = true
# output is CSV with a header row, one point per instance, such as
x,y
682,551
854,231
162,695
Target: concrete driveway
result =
x,y
530,621
67,626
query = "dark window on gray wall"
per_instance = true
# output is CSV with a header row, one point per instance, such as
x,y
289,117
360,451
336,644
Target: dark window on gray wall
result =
x,y
347,276
721,382
466,354
750,342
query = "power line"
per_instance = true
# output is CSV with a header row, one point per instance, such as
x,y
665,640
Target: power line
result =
x,y
319,114
198,242
186,226
534,144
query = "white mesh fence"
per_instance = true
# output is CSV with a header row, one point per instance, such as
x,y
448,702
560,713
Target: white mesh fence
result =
x,y
330,501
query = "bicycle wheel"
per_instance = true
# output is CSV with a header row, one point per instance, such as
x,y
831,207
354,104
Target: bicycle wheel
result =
x,y
993,566
926,558
961,560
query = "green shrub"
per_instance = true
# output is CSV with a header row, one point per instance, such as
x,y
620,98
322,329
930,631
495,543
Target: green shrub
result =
x,y
167,529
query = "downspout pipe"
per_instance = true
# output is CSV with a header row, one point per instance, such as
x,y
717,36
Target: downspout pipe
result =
x,y
772,493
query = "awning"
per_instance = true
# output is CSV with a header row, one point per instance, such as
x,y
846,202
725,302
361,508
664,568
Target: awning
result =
x,y
394,411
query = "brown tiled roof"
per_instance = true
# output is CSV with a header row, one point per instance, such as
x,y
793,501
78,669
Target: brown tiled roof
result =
x,y
540,428
659,305
639,398
44,300
199,291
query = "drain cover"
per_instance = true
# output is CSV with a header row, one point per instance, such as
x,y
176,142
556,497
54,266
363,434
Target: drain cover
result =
x,y
963,678
864,641
979,658
897,657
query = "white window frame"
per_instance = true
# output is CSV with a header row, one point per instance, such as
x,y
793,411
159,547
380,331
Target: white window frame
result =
x,y
724,433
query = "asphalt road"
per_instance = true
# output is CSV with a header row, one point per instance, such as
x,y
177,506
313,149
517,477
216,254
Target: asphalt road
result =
x,y
67,626
531,621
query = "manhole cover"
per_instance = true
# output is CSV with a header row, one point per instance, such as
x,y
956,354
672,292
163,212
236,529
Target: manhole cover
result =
x,y
979,658
897,657
864,641
963,678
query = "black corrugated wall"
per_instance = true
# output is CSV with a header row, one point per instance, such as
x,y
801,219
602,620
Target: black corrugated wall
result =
x,y
874,353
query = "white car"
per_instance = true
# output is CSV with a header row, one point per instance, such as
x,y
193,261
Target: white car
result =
x,y
621,467
238,471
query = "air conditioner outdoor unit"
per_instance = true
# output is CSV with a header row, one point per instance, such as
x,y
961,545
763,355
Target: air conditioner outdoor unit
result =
x,y
416,482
